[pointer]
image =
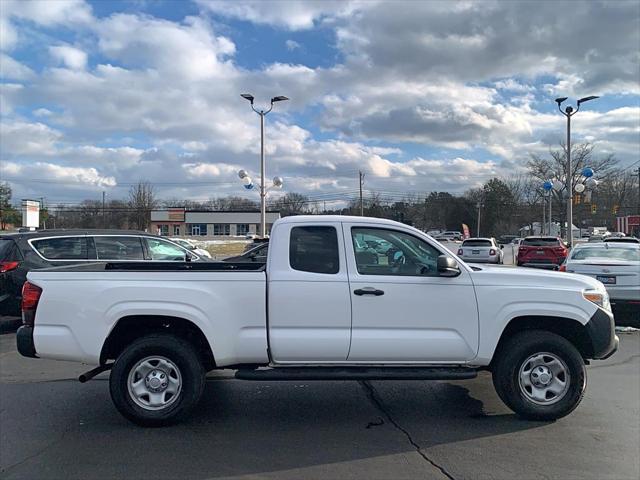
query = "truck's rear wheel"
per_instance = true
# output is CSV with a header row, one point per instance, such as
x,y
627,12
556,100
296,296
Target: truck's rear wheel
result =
x,y
157,380
539,375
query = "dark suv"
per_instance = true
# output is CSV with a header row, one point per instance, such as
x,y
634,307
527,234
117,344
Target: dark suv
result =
x,y
22,252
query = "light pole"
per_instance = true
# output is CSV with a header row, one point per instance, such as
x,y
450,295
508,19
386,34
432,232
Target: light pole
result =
x,y
479,205
569,112
263,192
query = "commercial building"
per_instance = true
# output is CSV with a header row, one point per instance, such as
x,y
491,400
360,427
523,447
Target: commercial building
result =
x,y
180,222
629,224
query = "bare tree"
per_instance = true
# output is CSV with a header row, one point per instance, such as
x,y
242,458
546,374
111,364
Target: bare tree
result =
x,y
141,201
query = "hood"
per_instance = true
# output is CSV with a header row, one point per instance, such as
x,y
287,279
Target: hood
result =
x,y
522,276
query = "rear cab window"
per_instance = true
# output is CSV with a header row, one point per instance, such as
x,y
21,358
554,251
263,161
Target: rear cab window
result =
x,y
61,248
314,249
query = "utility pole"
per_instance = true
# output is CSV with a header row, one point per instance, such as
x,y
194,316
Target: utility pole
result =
x,y
479,205
44,221
638,172
361,178
104,221
544,214
569,112
263,191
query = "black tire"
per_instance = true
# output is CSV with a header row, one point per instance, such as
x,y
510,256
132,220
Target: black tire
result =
x,y
191,373
512,356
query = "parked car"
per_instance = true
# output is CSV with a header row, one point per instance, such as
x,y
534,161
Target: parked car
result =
x,y
257,254
481,250
22,252
336,311
191,245
506,239
613,239
542,252
617,266
452,235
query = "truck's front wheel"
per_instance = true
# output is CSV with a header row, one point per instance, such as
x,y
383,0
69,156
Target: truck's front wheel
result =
x,y
539,375
156,380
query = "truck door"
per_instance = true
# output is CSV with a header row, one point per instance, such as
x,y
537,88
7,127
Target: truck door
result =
x,y
309,307
402,310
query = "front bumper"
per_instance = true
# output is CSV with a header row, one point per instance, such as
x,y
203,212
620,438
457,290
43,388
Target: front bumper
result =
x,y
602,332
24,340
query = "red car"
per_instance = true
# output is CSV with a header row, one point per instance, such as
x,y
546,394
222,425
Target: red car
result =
x,y
542,252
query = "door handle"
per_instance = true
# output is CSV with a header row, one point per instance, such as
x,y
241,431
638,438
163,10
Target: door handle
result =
x,y
368,291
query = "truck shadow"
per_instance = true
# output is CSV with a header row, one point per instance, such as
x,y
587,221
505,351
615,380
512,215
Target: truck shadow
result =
x,y
252,428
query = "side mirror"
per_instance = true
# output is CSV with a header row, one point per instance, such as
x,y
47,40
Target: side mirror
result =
x,y
188,257
501,247
447,266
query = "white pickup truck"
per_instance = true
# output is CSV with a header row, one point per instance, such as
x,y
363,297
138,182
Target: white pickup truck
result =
x,y
339,298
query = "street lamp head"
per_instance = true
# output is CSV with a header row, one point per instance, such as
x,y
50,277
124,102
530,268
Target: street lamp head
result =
x,y
247,96
586,99
278,182
559,100
279,98
242,174
569,109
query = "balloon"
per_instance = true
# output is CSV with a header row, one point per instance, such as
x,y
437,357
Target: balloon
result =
x,y
246,180
558,185
591,183
548,185
579,188
243,174
277,182
249,186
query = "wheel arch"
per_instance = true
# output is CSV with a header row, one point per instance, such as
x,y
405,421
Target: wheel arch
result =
x,y
131,327
573,331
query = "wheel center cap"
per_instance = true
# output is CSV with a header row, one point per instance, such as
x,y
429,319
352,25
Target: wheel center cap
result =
x,y
541,376
156,381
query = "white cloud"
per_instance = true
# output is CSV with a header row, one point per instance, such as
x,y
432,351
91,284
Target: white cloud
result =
x,y
22,138
11,69
292,45
40,12
69,56
71,176
291,14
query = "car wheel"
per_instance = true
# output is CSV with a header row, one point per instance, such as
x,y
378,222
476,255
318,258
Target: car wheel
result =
x,y
157,380
539,375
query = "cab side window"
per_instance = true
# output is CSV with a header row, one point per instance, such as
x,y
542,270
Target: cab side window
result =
x,y
119,248
62,248
314,249
390,252
163,250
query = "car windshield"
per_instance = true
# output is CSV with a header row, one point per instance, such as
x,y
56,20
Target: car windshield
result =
x,y
541,242
612,253
477,243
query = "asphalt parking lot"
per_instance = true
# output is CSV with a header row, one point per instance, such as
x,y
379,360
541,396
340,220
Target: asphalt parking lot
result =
x,y
51,426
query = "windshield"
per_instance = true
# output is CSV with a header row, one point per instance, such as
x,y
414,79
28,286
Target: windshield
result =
x,y
541,242
611,253
477,243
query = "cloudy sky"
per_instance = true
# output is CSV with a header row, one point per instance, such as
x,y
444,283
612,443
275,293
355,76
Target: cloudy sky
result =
x,y
420,95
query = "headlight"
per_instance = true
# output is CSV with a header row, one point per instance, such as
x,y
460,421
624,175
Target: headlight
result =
x,y
599,298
